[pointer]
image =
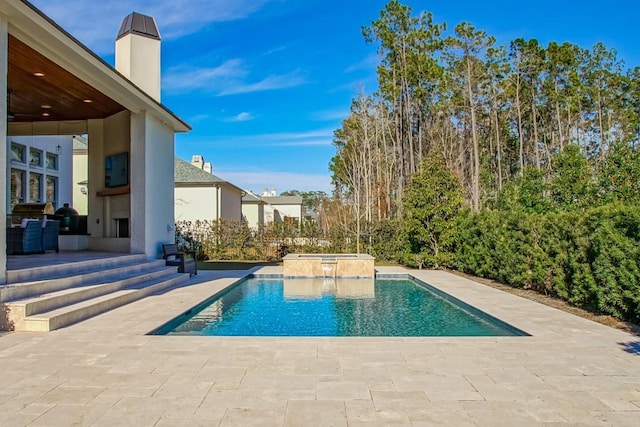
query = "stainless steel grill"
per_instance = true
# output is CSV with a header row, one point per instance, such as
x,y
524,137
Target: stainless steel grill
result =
x,y
30,210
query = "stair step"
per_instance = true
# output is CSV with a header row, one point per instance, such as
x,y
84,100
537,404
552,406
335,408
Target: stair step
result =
x,y
46,302
64,316
98,274
72,268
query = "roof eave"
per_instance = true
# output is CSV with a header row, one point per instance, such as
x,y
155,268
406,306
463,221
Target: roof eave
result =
x,y
41,33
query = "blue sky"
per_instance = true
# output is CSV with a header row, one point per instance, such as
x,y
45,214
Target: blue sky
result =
x,y
264,83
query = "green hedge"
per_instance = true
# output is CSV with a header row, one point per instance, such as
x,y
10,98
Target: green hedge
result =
x,y
589,258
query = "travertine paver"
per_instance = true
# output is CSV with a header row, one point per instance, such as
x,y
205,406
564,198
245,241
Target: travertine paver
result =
x,y
106,371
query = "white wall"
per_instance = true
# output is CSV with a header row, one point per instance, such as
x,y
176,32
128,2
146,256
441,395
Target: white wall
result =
x,y
80,173
138,59
108,136
95,159
294,211
289,210
230,203
152,182
254,215
195,203
200,203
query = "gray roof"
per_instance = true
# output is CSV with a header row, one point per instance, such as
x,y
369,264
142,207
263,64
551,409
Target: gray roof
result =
x,y
79,143
187,173
142,25
283,200
249,197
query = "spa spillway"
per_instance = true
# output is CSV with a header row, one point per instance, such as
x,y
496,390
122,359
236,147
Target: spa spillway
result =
x,y
329,265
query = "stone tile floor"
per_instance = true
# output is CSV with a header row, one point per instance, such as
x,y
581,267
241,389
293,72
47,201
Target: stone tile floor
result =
x,y
107,372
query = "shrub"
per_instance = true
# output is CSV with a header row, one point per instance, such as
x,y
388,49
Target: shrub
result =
x,y
432,203
589,259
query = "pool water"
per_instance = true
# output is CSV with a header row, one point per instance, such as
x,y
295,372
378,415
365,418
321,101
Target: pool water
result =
x,y
335,307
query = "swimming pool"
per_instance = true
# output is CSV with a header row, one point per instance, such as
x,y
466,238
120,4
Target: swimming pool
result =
x,y
399,307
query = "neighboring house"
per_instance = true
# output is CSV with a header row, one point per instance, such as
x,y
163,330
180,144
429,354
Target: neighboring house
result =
x,y
283,209
80,174
200,195
253,210
57,86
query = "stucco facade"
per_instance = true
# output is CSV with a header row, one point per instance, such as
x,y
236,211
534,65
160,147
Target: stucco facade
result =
x,y
200,195
133,218
279,208
80,175
253,211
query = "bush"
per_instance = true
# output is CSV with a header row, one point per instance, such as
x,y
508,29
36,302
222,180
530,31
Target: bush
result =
x,y
589,259
432,203
234,240
387,240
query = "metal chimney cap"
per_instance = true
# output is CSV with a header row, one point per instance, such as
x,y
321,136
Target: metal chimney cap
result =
x,y
139,24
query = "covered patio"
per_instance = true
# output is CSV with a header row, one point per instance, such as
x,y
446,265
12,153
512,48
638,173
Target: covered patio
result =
x,y
57,86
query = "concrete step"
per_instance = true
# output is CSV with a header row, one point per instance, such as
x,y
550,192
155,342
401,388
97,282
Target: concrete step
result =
x,y
98,272
67,315
20,309
73,268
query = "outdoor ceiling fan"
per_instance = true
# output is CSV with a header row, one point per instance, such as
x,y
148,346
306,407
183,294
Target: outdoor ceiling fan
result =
x,y
12,115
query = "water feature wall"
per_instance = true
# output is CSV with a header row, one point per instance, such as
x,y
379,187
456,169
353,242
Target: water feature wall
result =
x,y
329,265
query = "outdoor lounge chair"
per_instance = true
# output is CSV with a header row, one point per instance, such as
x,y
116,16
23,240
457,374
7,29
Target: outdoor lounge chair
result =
x,y
50,236
185,263
25,240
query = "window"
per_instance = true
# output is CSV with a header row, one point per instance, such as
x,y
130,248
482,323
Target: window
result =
x,y
52,161
17,186
35,157
51,190
18,153
35,188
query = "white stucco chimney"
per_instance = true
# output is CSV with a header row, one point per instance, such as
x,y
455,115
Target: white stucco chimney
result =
x,y
207,167
138,53
197,161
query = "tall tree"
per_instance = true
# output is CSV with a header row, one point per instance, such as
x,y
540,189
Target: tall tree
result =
x,y
466,56
408,77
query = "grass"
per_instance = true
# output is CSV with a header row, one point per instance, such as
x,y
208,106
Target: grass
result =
x,y
246,265
234,265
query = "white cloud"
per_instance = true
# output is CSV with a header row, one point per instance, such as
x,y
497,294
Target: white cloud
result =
x,y
272,82
367,64
229,78
330,115
95,23
274,50
321,137
184,78
199,118
242,117
256,180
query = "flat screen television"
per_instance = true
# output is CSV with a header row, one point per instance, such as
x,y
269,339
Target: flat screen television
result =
x,y
116,170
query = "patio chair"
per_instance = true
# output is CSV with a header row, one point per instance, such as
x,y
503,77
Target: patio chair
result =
x,y
25,240
173,257
50,232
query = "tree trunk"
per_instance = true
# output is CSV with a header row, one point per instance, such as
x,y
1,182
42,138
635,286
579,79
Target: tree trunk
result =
x,y
475,179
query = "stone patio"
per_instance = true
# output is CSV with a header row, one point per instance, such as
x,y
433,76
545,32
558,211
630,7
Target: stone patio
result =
x,y
106,371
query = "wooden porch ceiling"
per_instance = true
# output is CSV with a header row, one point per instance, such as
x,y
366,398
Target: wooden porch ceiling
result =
x,y
55,95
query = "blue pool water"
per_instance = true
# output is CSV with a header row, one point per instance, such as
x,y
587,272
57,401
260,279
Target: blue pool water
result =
x,y
335,307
